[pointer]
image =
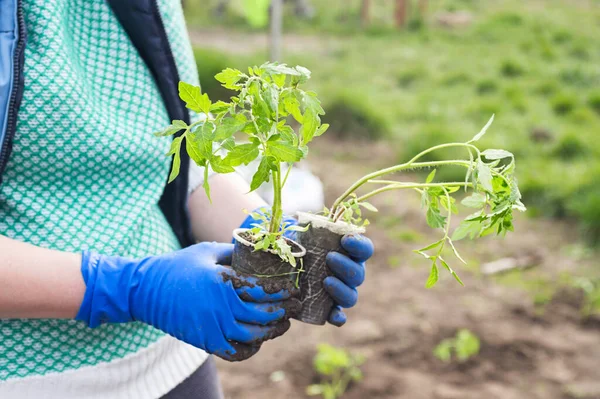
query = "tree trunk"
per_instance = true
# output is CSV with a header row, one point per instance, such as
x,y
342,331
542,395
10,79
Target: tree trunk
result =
x,y
364,13
423,8
276,27
401,11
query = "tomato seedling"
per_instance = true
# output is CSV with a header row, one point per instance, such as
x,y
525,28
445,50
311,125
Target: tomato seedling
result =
x,y
489,177
268,97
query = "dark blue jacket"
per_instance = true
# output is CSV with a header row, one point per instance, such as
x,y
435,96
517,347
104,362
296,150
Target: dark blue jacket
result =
x,y
142,22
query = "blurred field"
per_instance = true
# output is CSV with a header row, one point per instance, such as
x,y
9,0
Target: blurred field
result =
x,y
537,341
389,93
533,63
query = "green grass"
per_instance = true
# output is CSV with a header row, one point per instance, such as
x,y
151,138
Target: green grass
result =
x,y
534,64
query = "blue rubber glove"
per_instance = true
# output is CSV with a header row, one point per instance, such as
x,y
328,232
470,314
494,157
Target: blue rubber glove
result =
x,y
348,273
188,294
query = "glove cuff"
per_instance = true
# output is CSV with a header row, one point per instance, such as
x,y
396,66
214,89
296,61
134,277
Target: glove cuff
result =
x,y
108,281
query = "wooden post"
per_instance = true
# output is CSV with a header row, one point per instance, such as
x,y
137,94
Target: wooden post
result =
x,y
423,8
364,13
401,12
276,28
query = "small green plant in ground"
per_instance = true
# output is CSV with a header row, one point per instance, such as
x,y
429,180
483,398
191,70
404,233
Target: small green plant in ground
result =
x,y
489,175
511,69
463,346
594,102
563,104
336,368
591,291
267,97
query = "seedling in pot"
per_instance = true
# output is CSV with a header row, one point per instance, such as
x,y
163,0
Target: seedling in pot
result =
x,y
494,195
268,96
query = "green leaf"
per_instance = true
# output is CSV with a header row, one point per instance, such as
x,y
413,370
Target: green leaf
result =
x,y
176,151
279,79
367,206
484,176
430,246
229,126
443,350
173,128
228,144
466,228
434,218
203,139
219,107
287,134
271,95
284,151
448,203
310,124
292,106
262,174
276,69
242,154
312,102
322,129
193,150
476,200
229,77
193,98
430,176
433,276
175,145
304,74
483,131
492,154
220,166
297,228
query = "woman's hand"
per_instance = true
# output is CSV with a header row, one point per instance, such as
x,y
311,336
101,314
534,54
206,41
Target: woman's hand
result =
x,y
190,295
348,273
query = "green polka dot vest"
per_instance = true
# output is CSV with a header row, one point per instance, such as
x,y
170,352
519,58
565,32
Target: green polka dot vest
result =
x,y
85,171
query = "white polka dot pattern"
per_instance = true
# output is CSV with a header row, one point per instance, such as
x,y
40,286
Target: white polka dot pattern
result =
x,y
85,171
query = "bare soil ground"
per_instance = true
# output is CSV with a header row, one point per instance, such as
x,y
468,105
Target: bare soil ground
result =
x,y
525,353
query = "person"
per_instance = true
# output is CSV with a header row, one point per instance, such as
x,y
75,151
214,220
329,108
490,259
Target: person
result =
x,y
103,293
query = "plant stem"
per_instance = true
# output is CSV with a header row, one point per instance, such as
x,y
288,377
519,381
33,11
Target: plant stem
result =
x,y
287,174
398,186
397,168
277,212
439,147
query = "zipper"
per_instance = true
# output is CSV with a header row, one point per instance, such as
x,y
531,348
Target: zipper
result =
x,y
15,96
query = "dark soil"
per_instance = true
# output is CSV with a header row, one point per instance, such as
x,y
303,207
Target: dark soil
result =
x,y
237,281
272,285
527,351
